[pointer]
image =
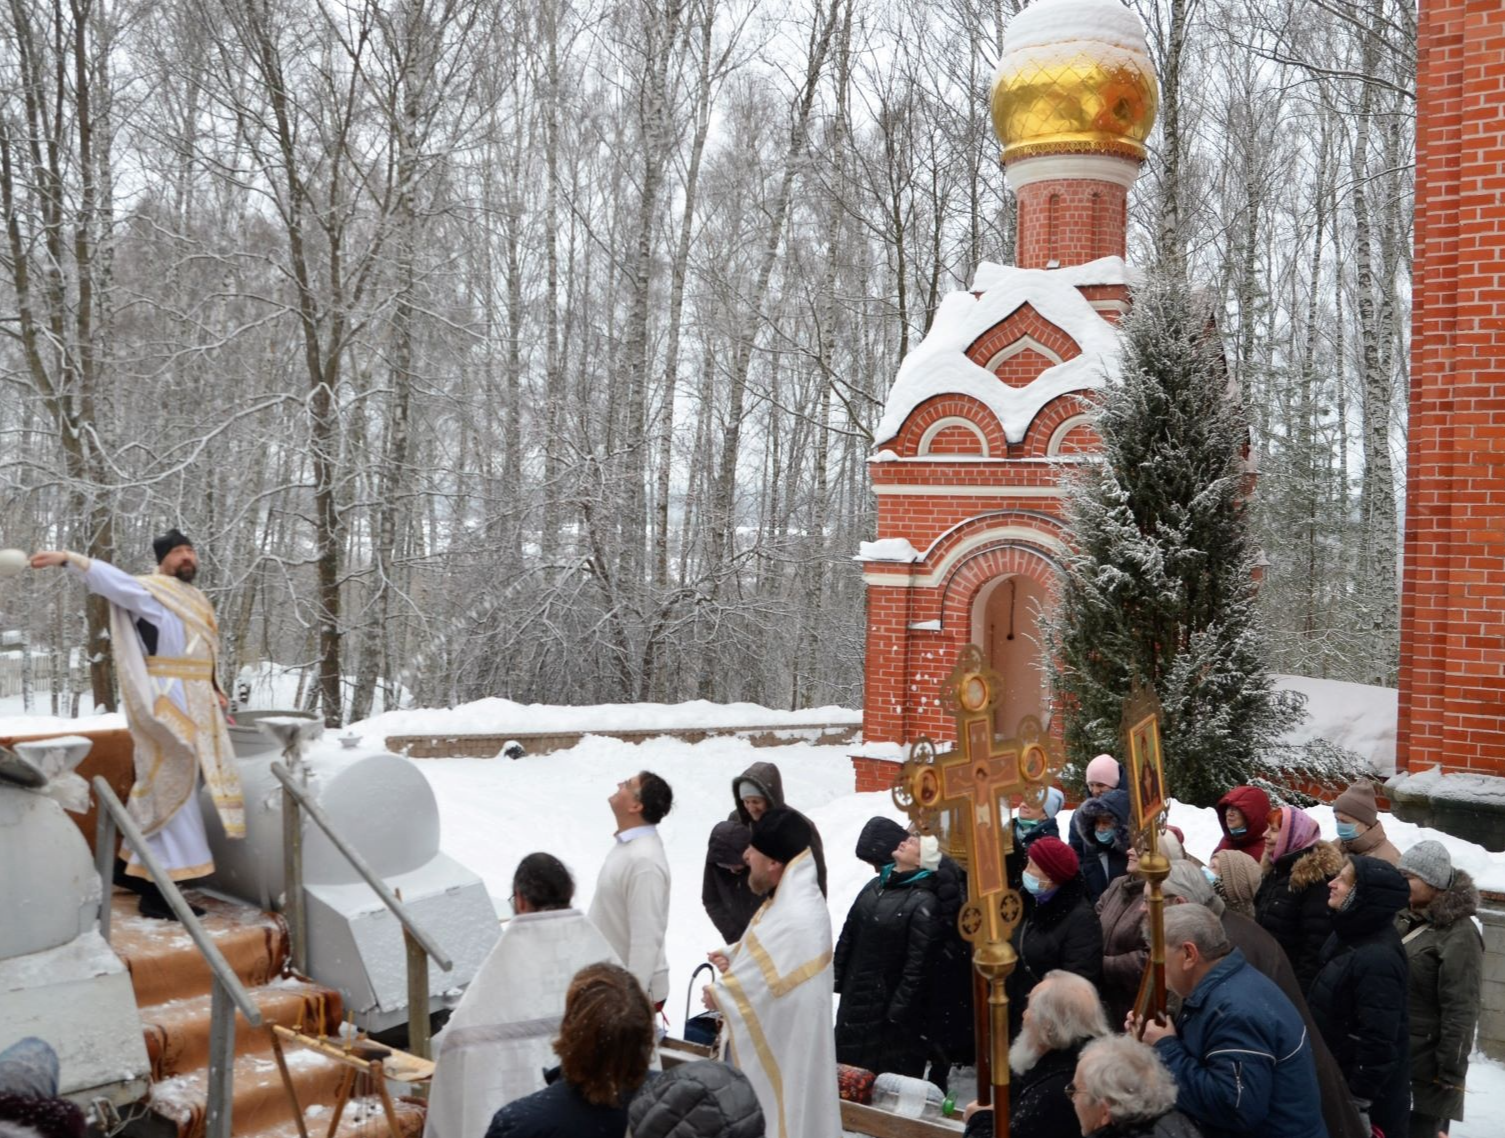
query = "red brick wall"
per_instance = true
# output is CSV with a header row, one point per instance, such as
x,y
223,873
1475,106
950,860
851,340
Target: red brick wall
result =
x,y
1071,221
1452,674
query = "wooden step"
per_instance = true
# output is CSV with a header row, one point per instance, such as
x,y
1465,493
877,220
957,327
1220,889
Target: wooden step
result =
x,y
166,965
177,1032
261,1102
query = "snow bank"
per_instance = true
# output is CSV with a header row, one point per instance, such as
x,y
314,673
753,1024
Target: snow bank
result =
x,y
939,365
503,717
1357,717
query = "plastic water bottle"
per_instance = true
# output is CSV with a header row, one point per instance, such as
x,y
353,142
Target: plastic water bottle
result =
x,y
909,1097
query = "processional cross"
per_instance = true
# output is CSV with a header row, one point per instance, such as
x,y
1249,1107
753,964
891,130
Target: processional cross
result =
x,y
971,785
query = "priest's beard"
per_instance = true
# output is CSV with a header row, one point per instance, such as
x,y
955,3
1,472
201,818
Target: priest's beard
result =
x,y
186,573
1024,1052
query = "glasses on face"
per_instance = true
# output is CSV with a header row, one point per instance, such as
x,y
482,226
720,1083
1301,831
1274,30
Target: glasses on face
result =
x,y
1071,1090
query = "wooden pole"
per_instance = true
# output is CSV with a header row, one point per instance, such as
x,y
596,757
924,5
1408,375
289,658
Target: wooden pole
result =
x,y
982,1038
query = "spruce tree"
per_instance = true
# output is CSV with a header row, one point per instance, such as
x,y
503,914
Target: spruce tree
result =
x,y
1159,583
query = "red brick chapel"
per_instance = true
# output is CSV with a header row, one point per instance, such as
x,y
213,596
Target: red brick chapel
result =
x,y
986,409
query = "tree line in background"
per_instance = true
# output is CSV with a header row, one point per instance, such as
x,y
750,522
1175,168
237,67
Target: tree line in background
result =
x,y
534,349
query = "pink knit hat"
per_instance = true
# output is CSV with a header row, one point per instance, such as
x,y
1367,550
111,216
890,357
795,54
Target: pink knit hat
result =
x,y
1103,769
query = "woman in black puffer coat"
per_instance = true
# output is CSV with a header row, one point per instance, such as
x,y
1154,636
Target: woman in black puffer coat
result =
x,y
1358,999
1291,904
882,964
949,1023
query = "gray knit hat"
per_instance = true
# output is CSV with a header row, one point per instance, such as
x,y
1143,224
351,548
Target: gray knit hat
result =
x,y
1429,861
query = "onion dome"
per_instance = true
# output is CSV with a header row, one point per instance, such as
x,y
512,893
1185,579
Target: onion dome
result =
x,y
1074,77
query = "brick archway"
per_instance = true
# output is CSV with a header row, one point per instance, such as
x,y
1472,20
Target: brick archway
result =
x,y
1008,557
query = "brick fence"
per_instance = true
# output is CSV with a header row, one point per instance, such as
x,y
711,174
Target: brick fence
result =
x,y
545,742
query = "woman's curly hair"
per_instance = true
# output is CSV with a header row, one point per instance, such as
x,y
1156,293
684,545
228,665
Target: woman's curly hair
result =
x,y
606,1038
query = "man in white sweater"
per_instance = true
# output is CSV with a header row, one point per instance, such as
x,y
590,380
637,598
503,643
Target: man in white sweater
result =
x,y
631,902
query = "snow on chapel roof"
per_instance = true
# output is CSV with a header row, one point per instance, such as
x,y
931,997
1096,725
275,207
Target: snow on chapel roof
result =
x,y
939,364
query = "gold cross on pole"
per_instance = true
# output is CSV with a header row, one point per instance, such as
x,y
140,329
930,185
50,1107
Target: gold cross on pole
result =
x,y
971,786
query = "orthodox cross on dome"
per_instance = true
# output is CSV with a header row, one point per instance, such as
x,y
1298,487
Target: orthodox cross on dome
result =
x,y
966,793
1148,801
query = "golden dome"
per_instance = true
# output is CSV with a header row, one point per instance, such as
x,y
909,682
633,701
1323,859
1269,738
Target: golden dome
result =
x,y
1074,77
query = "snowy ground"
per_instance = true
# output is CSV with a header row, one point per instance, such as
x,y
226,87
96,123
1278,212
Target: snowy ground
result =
x,y
494,812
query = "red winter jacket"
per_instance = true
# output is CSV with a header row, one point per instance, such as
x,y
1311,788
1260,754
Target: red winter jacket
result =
x,y
1255,806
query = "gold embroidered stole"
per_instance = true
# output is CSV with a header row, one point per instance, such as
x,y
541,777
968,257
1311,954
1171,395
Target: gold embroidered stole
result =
x,y
175,744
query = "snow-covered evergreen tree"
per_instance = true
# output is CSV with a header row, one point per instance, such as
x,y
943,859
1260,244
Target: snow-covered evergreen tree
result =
x,y
1159,582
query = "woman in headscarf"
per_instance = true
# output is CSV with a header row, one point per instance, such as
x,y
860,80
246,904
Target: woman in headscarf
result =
x,y
1236,877
1291,903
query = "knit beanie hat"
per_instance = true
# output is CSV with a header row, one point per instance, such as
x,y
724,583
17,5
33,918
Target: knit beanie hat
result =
x,y
1298,830
1055,857
747,788
1429,861
1103,769
1240,875
1171,846
169,541
879,838
1054,800
930,852
1358,802
782,834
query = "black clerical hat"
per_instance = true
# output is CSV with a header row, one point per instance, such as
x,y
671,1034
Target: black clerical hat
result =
x,y
169,541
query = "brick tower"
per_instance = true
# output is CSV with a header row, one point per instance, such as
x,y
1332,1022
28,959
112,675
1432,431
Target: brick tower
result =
x,y
1452,664
988,407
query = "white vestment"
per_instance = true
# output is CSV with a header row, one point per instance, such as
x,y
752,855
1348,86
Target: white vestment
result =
x,y
775,998
499,1040
173,714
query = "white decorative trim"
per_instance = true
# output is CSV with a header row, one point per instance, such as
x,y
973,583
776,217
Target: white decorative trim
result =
x,y
1118,306
940,425
971,491
1057,436
1020,535
1024,343
1083,167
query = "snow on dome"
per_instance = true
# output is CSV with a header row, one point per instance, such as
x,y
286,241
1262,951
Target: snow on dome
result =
x,y
938,365
1074,76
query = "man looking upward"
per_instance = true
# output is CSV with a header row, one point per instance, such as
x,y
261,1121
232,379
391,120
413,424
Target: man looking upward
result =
x,y
631,902
166,645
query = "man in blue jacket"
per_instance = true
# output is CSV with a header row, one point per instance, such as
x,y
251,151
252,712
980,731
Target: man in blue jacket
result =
x,y
1239,1051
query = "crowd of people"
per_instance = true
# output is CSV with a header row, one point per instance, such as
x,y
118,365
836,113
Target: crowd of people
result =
x,y
1318,988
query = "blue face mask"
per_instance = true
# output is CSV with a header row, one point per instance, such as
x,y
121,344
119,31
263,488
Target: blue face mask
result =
x,y
1237,831
1027,825
1348,831
1104,837
1210,875
1032,884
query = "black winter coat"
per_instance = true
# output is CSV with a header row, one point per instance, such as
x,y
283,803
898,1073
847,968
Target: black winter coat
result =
x,y
1358,998
1291,905
882,967
1266,956
557,1111
1092,853
729,901
1064,933
949,1017
1038,1104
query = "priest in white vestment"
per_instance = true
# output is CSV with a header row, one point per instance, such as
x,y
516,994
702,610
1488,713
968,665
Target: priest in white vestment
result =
x,y
499,1039
166,647
775,988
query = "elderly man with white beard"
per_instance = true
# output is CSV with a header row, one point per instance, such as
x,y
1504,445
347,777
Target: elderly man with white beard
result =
x,y
1063,1016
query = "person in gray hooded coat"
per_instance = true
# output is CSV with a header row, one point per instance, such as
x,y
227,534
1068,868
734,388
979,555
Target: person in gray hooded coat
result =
x,y
1446,956
759,789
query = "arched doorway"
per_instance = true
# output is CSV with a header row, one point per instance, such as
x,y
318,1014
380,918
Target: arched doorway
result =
x,y
1006,625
